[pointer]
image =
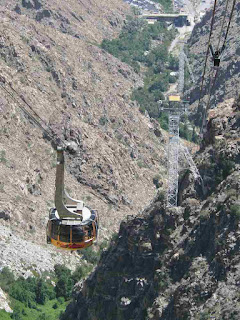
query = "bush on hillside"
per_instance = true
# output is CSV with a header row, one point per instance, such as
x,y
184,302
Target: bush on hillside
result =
x,y
24,290
6,279
235,211
64,281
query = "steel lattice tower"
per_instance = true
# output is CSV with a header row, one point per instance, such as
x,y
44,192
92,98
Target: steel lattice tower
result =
x,y
175,109
173,159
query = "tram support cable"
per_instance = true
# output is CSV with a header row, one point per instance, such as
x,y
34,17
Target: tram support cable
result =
x,y
207,53
221,31
48,132
212,82
229,22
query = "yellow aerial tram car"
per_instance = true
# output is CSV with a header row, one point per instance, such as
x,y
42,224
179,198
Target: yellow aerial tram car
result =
x,y
71,224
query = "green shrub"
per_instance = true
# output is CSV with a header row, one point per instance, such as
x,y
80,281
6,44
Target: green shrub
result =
x,y
24,290
195,136
167,5
50,290
103,245
64,281
163,120
3,157
41,291
4,315
64,287
16,315
156,181
6,279
223,168
24,312
173,63
161,196
90,255
186,213
235,210
227,166
103,120
172,79
44,316
184,132
115,236
205,315
60,300
79,273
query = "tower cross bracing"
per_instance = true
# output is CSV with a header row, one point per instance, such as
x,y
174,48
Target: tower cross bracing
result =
x,y
175,109
173,159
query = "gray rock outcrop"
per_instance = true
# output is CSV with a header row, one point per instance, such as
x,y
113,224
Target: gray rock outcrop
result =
x,y
4,303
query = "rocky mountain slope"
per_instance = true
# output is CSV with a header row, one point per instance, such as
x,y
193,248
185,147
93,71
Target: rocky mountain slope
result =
x,y
82,19
181,263
50,54
177,263
227,82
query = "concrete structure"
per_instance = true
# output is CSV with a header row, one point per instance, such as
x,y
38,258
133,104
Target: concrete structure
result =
x,y
179,19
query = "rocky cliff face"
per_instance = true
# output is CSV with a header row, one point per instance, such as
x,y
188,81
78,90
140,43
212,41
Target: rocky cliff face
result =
x,y
50,54
179,263
227,82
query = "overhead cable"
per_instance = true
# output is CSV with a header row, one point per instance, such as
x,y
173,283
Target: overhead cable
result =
x,y
229,22
223,22
213,81
207,53
48,132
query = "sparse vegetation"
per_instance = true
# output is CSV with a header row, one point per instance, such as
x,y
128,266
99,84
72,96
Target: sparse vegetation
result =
x,y
90,255
186,213
3,157
103,120
88,198
166,4
163,280
81,272
156,181
223,168
205,315
1,187
235,211
161,195
142,164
